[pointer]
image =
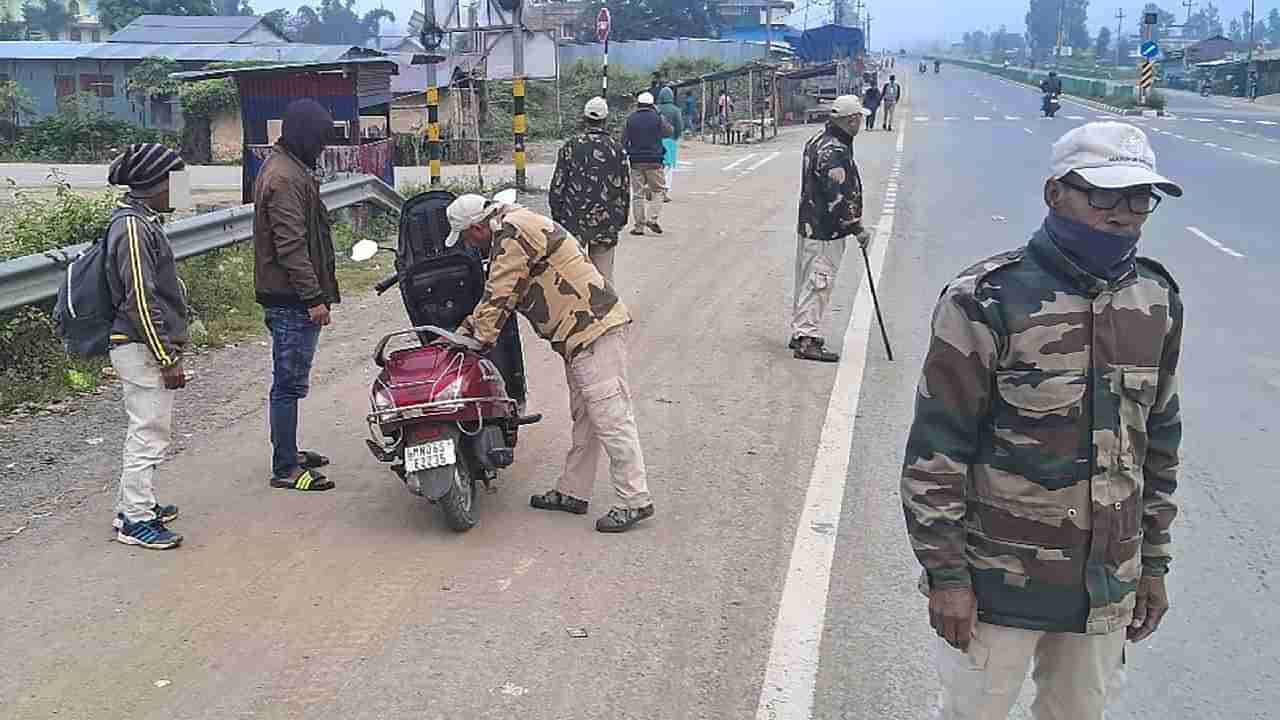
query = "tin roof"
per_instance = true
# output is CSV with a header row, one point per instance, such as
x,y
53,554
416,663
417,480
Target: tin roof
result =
x,y
385,62
43,50
176,29
188,53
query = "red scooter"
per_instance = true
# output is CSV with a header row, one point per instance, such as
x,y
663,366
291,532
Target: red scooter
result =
x,y
445,417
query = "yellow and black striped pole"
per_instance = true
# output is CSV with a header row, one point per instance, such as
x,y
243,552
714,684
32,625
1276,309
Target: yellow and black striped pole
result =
x,y
433,133
520,126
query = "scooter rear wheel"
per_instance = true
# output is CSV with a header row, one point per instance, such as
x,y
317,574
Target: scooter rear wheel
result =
x,y
459,504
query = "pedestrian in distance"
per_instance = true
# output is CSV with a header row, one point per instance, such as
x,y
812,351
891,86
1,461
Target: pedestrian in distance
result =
x,y
691,115
642,139
590,192
890,96
871,101
673,119
538,268
148,337
295,282
1043,457
830,212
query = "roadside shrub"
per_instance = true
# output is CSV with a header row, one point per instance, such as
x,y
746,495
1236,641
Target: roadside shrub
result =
x,y
39,224
1156,100
79,133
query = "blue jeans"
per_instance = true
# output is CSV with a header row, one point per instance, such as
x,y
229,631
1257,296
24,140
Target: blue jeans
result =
x,y
293,346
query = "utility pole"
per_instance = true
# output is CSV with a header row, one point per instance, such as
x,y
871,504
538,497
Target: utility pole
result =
x,y
1062,7
1253,20
768,30
866,33
518,122
1119,35
1188,4
433,102
838,11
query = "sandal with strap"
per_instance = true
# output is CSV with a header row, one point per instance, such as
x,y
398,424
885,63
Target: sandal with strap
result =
x,y
307,481
310,460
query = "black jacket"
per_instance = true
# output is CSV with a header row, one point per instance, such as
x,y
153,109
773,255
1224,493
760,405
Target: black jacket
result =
x,y
643,137
150,302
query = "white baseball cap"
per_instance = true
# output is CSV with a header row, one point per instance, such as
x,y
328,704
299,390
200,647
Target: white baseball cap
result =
x,y
463,212
645,98
848,106
1110,155
597,108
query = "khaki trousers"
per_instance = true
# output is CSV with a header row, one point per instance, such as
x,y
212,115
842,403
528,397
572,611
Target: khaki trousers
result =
x,y
604,422
149,406
817,262
648,189
602,257
1072,673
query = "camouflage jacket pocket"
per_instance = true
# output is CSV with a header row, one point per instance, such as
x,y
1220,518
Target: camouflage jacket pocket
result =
x,y
1037,428
1138,395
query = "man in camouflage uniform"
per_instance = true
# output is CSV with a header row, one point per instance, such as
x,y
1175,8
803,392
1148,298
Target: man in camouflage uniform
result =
x,y
539,269
830,211
591,188
1040,467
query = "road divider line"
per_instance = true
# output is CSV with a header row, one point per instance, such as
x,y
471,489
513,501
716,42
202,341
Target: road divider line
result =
x,y
1205,236
738,162
762,162
981,117
1248,154
1075,117
1012,117
922,118
1028,131
791,675
1265,122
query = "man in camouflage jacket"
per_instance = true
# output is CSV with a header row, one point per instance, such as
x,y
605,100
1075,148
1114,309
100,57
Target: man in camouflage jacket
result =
x,y
1040,467
591,188
830,211
540,270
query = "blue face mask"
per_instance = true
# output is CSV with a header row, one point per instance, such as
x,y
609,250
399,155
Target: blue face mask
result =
x,y
1101,254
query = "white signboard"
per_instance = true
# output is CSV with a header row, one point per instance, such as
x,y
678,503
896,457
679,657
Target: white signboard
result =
x,y
539,55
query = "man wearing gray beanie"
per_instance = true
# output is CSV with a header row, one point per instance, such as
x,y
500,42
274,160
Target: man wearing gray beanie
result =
x,y
295,281
147,336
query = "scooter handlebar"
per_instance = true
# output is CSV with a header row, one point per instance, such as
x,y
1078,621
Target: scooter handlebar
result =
x,y
386,283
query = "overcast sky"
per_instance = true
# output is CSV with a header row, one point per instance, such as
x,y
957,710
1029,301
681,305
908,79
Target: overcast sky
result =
x,y
911,23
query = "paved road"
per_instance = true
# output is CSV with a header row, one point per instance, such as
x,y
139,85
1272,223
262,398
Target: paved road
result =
x,y
359,604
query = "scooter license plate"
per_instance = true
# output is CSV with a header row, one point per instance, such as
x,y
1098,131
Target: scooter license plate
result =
x,y
436,454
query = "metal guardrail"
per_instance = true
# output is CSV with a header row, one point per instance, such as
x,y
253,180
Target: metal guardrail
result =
x,y
33,278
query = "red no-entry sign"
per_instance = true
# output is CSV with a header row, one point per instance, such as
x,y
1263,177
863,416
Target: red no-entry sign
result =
x,y
603,20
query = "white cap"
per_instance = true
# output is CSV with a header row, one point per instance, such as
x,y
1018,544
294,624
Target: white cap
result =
x,y
1110,155
464,212
848,106
645,98
597,108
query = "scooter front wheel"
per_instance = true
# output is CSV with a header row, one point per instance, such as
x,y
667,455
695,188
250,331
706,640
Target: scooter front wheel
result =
x,y
459,504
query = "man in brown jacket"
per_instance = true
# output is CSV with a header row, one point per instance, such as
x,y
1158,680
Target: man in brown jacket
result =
x,y
295,281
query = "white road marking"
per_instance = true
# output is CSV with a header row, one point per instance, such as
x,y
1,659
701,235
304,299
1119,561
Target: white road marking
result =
x,y
1075,117
1205,237
762,162
981,117
1212,145
922,118
792,671
1265,122
1234,122
1012,117
1204,120
1248,154
1028,131
1224,147
1179,136
738,162
948,117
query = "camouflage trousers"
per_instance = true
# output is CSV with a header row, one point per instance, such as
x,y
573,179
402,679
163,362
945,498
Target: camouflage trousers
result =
x,y
1073,673
817,262
604,423
648,190
602,257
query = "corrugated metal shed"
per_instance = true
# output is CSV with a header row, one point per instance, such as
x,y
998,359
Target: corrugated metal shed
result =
x,y
44,50
289,53
173,29
388,63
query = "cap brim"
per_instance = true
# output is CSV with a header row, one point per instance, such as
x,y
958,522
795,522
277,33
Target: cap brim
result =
x,y
452,238
1123,176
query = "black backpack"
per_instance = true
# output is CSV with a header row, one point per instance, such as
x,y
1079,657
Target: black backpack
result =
x,y
85,312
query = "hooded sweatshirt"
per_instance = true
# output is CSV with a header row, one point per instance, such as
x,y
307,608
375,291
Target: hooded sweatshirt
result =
x,y
307,127
668,110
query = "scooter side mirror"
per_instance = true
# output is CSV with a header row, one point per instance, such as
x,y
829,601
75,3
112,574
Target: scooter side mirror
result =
x,y
506,197
363,250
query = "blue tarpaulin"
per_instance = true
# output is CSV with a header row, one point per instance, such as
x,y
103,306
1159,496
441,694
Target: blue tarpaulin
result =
x,y
828,43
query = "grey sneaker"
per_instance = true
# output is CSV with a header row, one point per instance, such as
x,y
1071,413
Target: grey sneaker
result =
x,y
556,500
620,520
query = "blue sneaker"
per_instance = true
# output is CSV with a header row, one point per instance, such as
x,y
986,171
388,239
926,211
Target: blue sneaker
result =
x,y
164,513
149,534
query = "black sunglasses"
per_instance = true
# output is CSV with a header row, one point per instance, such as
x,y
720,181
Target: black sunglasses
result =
x,y
1141,202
